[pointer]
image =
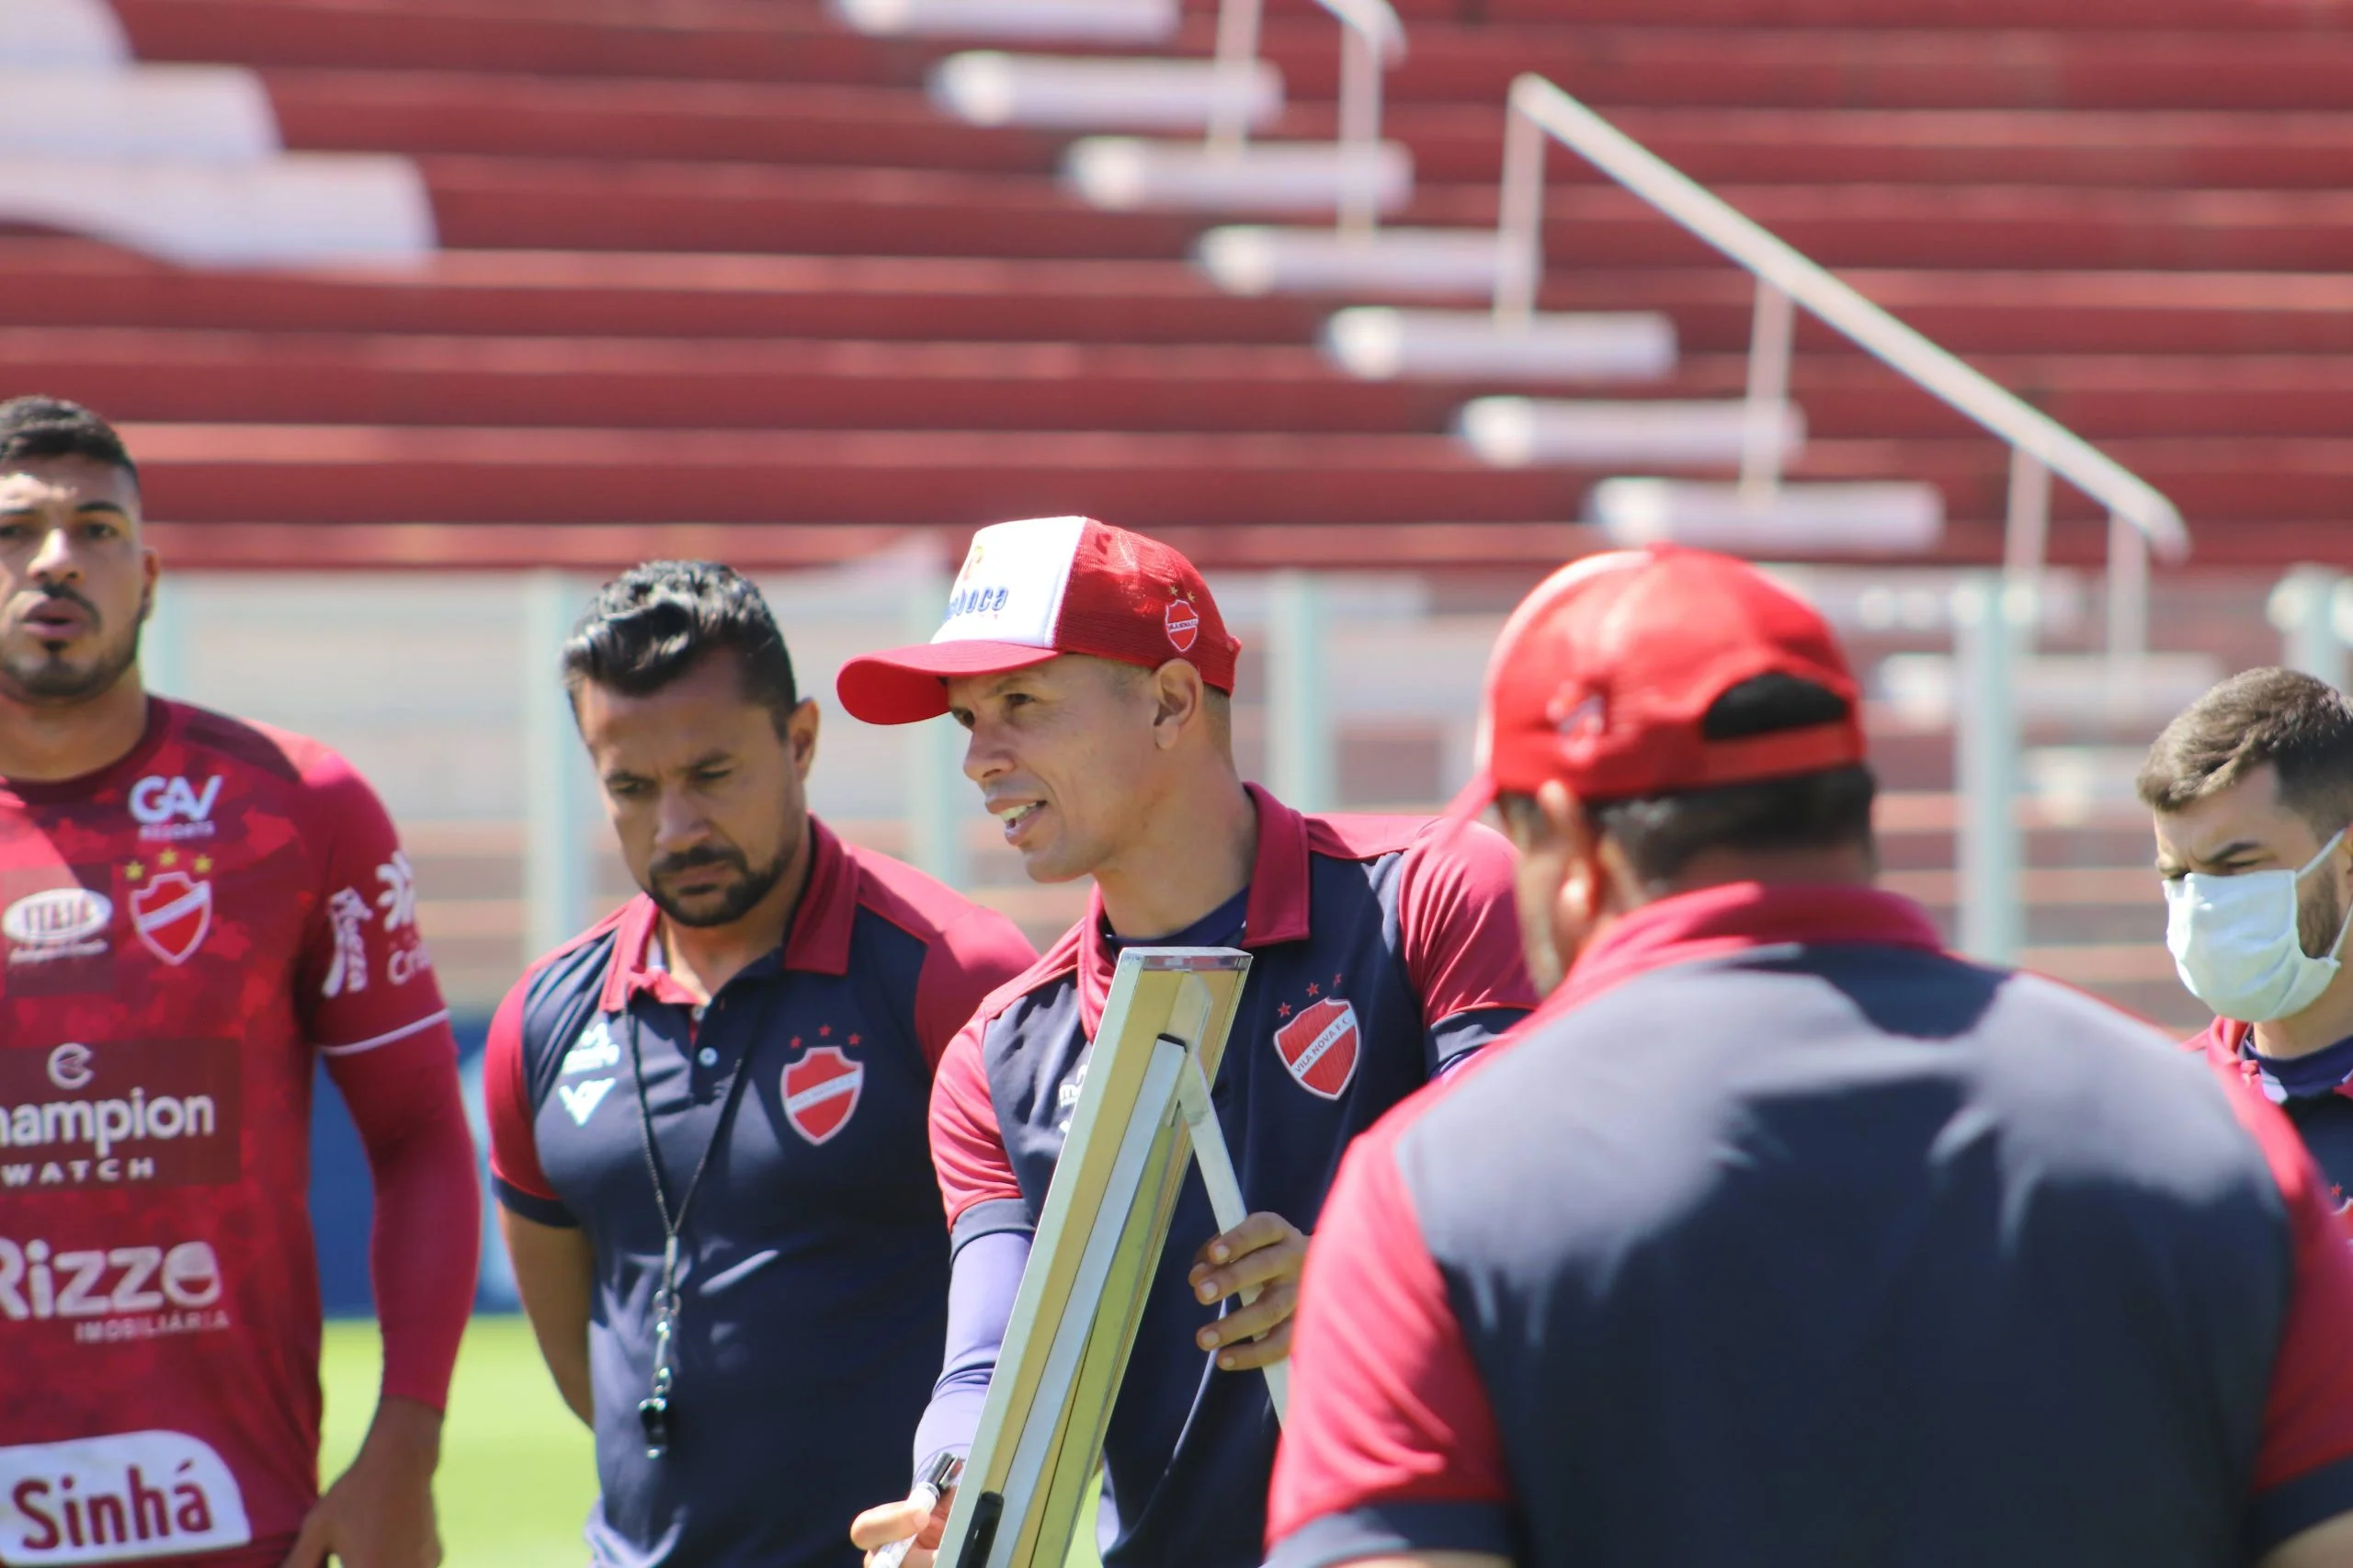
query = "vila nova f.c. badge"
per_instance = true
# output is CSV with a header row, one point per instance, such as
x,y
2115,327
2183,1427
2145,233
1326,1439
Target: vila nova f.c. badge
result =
x,y
821,1090
1319,1046
172,912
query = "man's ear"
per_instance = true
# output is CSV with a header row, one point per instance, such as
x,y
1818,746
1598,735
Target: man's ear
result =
x,y
1178,701
1586,885
801,734
1619,875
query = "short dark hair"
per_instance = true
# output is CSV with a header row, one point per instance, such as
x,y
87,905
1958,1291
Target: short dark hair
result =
x,y
654,622
2299,726
53,427
1661,835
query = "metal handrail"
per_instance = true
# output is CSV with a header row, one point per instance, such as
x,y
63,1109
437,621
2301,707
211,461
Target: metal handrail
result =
x,y
2140,520
1374,20
1370,37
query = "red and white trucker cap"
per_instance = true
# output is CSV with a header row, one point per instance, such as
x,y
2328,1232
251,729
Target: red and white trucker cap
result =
x,y
1034,590
1603,676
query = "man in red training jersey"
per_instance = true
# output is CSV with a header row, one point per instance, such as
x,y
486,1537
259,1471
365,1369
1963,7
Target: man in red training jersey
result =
x,y
192,908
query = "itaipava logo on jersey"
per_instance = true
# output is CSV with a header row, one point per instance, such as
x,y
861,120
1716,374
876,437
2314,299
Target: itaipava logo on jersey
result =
x,y
56,923
1319,1046
172,912
821,1091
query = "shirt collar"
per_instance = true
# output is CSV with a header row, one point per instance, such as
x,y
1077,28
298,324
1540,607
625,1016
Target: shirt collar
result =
x,y
1277,913
1278,880
164,719
1736,917
817,938
2229,1043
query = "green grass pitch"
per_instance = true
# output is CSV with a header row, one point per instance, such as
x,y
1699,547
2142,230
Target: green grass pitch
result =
x,y
518,1472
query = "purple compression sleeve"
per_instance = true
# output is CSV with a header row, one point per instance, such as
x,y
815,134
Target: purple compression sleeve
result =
x,y
981,1284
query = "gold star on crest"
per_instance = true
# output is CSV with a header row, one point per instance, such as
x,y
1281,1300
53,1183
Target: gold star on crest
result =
x,y
133,871
203,864
168,857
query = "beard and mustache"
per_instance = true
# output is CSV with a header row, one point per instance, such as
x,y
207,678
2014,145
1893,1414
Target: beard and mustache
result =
x,y
736,899
2320,918
43,676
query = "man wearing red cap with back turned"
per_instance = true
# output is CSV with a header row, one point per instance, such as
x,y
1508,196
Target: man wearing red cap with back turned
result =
x,y
1094,672
1777,1235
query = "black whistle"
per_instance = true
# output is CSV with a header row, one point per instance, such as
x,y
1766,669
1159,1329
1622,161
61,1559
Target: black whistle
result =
x,y
653,1416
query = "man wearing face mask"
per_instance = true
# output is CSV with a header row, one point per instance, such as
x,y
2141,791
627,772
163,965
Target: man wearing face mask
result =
x,y
2252,789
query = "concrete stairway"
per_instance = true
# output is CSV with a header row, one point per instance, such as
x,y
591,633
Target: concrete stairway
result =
x,y
660,221
720,277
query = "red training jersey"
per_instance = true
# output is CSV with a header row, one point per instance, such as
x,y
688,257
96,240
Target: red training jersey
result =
x,y
180,934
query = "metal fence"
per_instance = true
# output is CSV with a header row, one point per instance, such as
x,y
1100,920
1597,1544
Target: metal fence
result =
x,y
1356,691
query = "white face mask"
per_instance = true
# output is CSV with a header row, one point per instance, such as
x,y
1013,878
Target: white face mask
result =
x,y
2235,943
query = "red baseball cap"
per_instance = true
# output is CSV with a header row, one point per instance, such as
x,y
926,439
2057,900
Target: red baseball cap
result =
x,y
1603,676
1035,590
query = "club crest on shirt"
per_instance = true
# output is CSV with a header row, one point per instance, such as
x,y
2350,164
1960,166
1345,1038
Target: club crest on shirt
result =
x,y
171,913
1319,1046
821,1092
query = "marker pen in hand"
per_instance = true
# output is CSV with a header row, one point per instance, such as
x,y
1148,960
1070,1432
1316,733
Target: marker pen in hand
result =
x,y
938,1476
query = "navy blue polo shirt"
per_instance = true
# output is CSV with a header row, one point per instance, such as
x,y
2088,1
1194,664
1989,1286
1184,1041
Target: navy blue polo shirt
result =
x,y
1381,948
1780,1237
2314,1091
814,1278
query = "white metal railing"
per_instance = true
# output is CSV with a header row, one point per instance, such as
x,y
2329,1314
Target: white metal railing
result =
x,y
1371,37
2312,608
2140,519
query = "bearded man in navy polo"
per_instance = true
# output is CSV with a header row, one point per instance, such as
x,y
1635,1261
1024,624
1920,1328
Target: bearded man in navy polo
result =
x,y
1094,672
707,1112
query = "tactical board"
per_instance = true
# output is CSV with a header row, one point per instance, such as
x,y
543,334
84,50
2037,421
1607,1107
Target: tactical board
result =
x,y
1143,1111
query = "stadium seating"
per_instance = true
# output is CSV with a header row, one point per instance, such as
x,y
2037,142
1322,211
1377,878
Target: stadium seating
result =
x,y
746,277
646,213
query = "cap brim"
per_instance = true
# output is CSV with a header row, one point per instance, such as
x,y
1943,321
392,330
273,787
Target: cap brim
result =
x,y
906,685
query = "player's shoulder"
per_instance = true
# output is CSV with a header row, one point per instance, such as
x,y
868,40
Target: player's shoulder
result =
x,y
1363,836
248,745
1399,1121
561,981
2105,1054
2067,1012
2082,1086
921,905
1431,841
298,762
1057,966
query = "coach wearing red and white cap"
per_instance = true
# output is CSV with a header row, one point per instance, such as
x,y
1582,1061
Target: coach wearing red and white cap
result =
x,y
1777,1235
1093,671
